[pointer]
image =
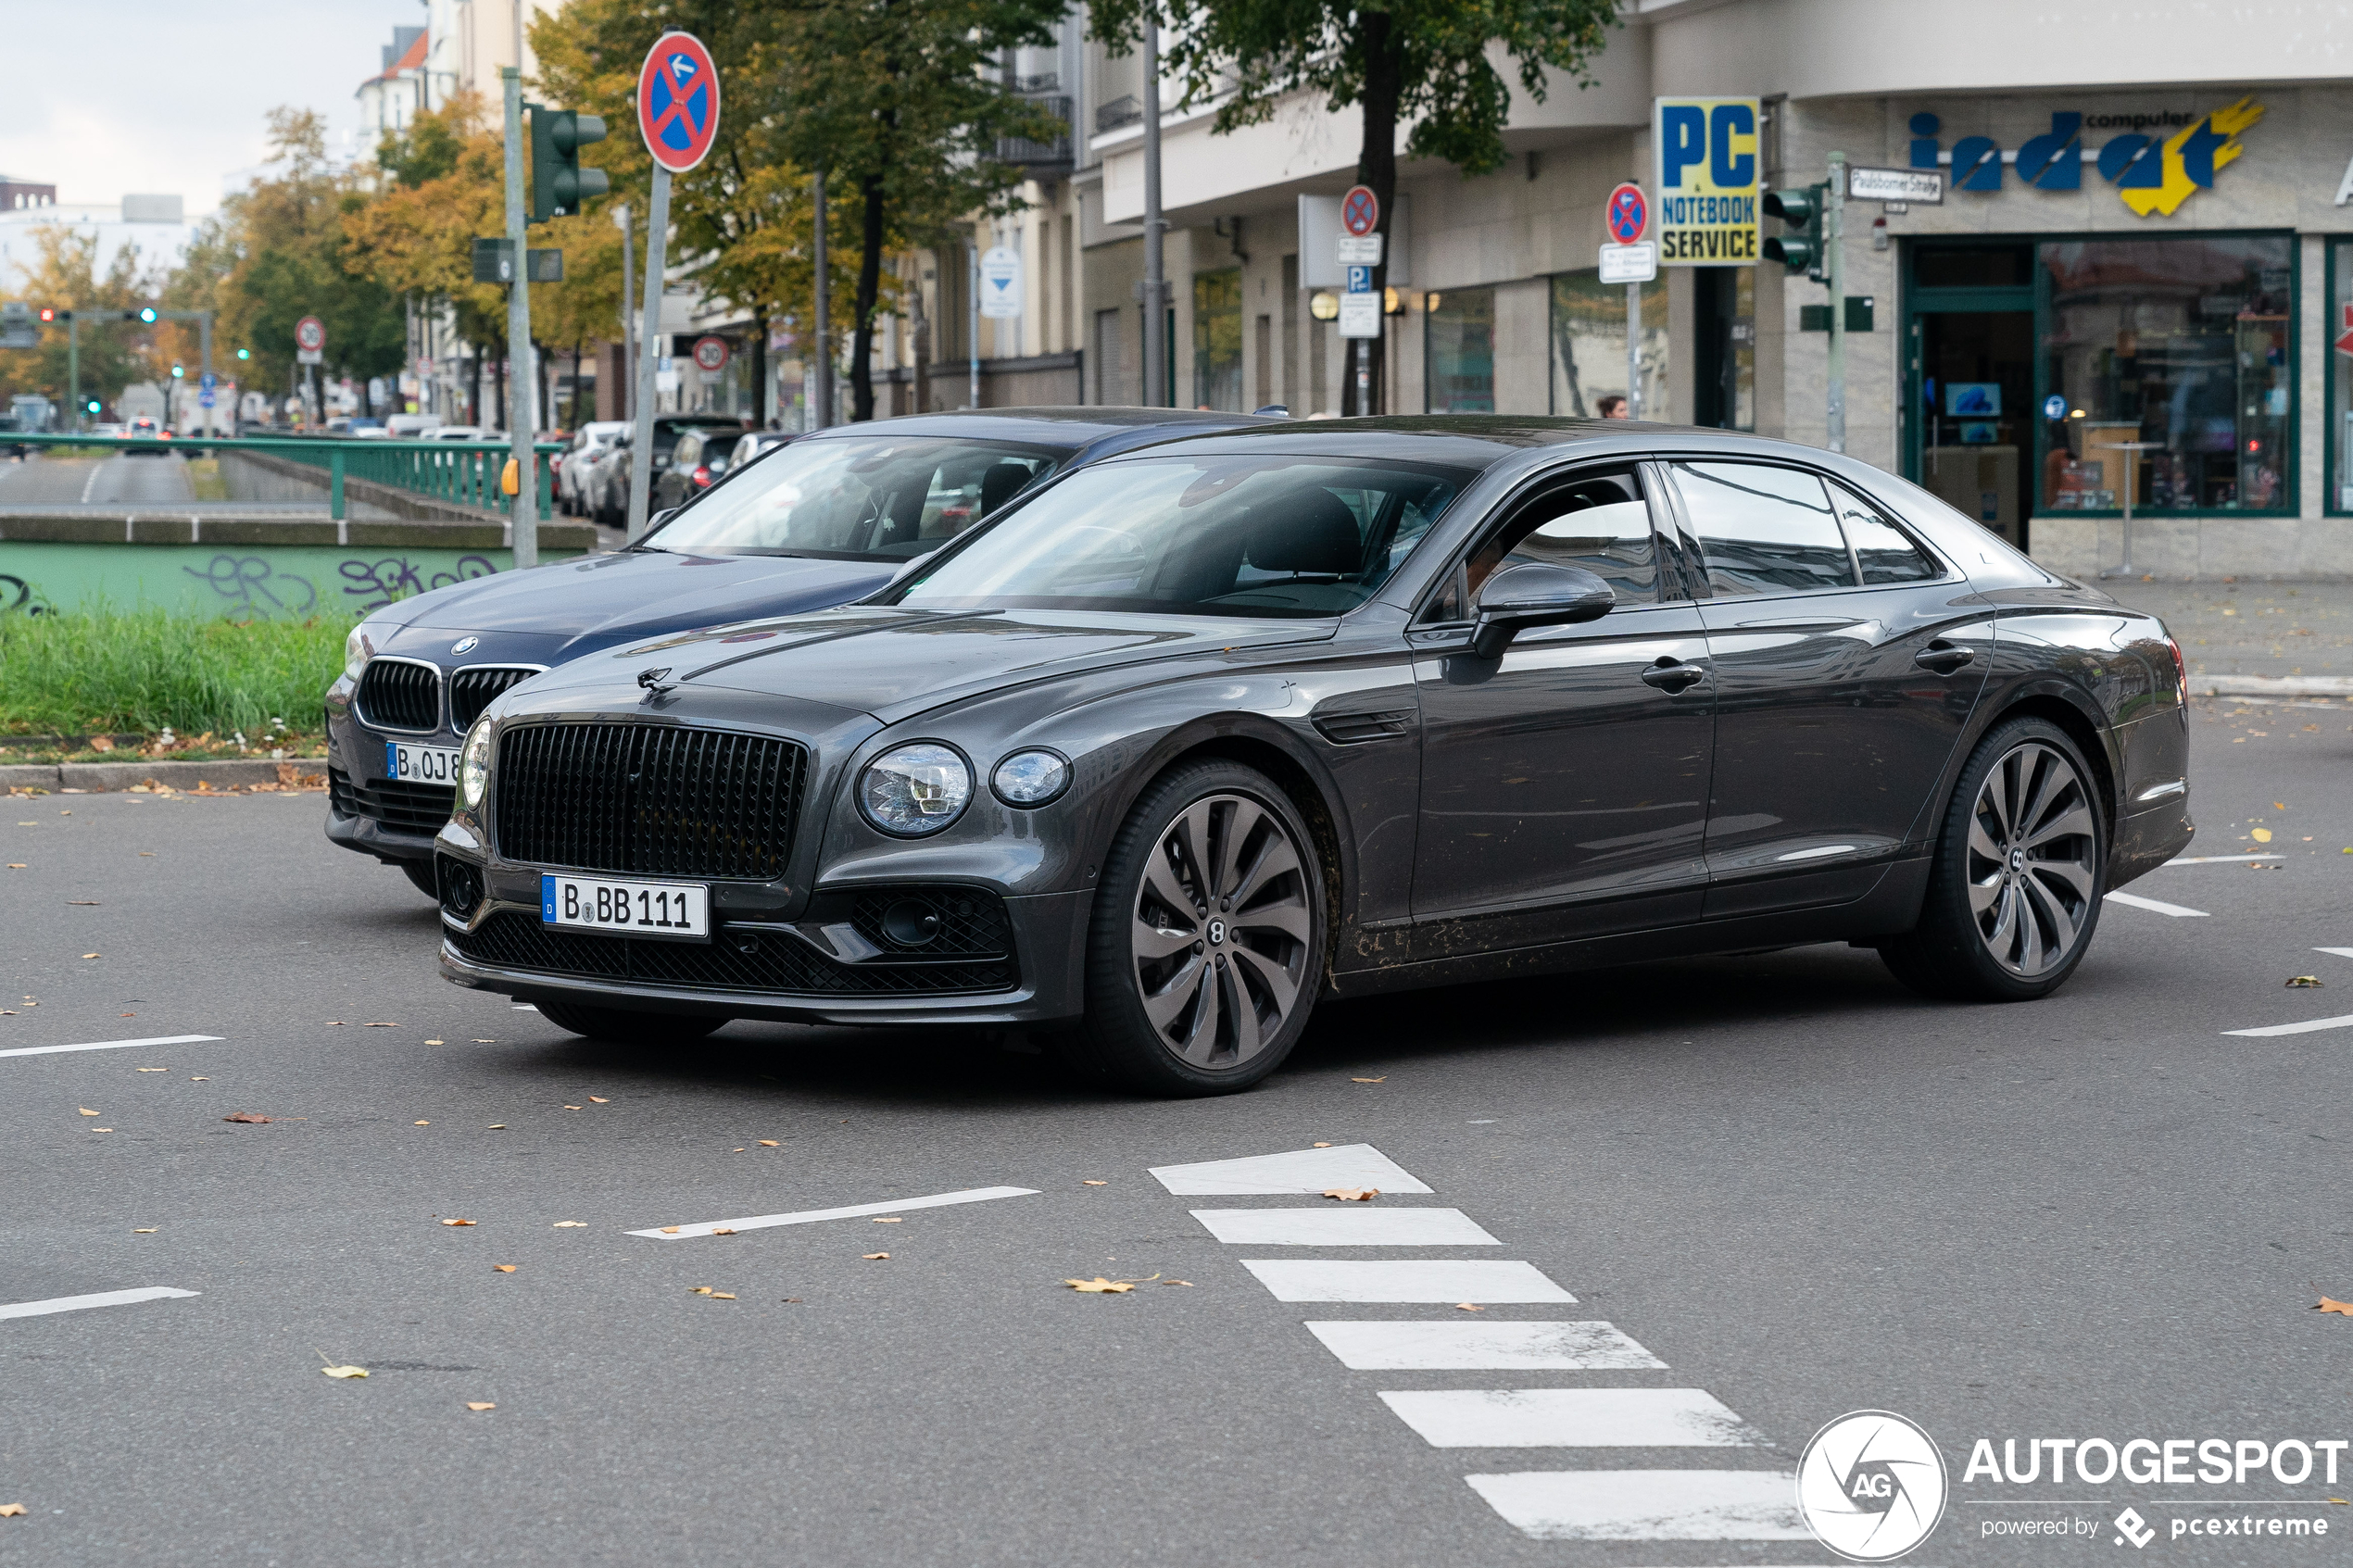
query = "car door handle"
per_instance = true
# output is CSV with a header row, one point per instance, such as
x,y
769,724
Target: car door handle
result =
x,y
1669,676
1944,658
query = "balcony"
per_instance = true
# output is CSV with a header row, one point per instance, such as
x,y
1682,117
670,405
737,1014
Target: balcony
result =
x,y
1118,112
1041,160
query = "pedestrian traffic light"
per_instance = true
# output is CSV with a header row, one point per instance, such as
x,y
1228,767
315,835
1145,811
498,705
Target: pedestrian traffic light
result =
x,y
94,405
177,372
147,314
558,184
244,353
1802,250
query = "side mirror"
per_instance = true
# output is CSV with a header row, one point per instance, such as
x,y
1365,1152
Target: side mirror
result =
x,y
660,517
1536,594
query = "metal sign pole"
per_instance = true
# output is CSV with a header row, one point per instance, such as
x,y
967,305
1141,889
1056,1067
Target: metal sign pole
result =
x,y
628,325
523,379
1633,351
1833,242
1155,273
641,456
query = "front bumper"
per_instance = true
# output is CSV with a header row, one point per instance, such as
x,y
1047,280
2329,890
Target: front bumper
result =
x,y
369,813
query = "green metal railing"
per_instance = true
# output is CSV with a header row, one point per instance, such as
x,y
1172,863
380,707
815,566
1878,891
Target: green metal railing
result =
x,y
464,473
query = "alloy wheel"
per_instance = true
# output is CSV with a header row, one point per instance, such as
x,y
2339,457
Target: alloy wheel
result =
x,y
1222,929
2032,840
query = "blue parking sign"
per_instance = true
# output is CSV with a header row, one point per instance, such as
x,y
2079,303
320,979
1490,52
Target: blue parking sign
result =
x,y
1360,279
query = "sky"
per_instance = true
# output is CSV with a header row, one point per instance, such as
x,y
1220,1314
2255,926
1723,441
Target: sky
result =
x,y
140,96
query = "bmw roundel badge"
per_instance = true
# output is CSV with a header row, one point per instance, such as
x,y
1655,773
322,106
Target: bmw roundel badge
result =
x,y
465,644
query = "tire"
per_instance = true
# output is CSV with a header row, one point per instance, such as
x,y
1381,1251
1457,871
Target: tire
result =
x,y
1218,1012
420,873
2013,890
629,1028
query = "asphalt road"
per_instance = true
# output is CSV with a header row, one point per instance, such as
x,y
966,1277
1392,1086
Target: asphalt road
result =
x,y
1800,1188
142,481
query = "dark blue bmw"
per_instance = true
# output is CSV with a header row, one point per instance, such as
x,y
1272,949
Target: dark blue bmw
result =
x,y
828,519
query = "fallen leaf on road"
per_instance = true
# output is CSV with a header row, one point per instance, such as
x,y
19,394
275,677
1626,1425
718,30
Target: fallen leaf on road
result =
x,y
433,1042
2304,982
737,1149
194,1080
87,1112
334,1023
89,955
567,1108
1092,1183
149,1069
496,1127
345,1371
480,1405
670,1230
722,1295
135,1015
241,1116
485,1042
571,1225
872,1257
1468,1307
457,1222
149,1231
380,1026
423,1123
2328,1306
723,1231
791,1300
699,1290
1380,1080
1320,1145
1352,1195
888,1220
767,1143
593,1099
504,1268
102,1129
2279,805
1099,1285
84,903
2262,835
11,1509
1186,1283
15,865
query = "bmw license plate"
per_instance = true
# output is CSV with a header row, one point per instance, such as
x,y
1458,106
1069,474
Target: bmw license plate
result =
x,y
679,910
421,764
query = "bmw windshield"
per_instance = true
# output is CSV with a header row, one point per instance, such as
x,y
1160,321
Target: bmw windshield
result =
x,y
857,499
1250,536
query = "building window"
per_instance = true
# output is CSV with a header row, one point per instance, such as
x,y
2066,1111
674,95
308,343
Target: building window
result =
x,y
2340,377
1111,368
2184,344
1217,339
1458,343
1589,344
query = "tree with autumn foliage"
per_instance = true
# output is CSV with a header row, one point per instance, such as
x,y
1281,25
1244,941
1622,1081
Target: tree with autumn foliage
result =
x,y
1424,63
115,354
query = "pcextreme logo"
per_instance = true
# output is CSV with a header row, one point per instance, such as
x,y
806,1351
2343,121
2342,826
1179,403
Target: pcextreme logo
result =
x,y
2150,176
1871,1486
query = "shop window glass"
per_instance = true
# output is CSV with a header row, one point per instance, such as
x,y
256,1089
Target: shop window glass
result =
x,y
1589,344
1972,267
1458,335
1763,530
1217,339
2341,381
2182,343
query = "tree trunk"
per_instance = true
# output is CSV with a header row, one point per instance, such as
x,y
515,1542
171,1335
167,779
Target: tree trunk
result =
x,y
870,257
576,346
919,328
760,370
1376,170
498,391
473,396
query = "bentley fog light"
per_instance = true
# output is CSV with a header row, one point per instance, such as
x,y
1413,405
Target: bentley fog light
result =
x,y
474,766
914,790
1030,778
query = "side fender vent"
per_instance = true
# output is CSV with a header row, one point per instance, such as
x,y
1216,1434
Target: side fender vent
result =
x,y
1355,729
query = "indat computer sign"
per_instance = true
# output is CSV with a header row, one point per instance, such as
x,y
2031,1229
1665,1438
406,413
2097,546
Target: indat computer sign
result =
x,y
1707,180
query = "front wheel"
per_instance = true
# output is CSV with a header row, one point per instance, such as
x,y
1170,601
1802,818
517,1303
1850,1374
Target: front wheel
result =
x,y
624,1026
1207,947
2014,891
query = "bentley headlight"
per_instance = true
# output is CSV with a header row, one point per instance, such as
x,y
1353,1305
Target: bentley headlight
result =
x,y
1030,778
474,766
916,789
355,651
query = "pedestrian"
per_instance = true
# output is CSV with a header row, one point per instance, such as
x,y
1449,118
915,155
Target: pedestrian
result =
x,y
1613,408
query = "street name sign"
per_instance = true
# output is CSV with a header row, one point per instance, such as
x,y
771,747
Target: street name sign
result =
x,y
1629,264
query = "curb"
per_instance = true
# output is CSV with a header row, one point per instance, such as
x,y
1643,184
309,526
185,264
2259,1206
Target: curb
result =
x,y
2271,685
93,778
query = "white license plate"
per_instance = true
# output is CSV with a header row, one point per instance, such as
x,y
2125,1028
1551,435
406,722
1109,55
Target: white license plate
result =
x,y
627,908
421,764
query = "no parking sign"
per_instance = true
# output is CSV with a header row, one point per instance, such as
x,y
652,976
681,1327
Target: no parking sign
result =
x,y
678,101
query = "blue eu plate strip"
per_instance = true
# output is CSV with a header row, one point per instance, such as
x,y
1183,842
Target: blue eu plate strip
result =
x,y
547,898
392,761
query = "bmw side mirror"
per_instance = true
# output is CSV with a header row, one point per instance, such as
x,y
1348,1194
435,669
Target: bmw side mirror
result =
x,y
1536,594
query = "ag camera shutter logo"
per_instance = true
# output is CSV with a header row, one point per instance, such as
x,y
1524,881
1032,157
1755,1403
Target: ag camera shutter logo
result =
x,y
1871,1486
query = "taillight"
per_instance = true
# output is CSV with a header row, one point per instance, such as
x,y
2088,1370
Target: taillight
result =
x,y
702,476
2181,671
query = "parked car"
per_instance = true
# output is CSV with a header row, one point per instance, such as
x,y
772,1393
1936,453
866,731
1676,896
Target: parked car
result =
x,y
613,473
412,427
1184,741
590,443
698,461
827,520
143,428
462,432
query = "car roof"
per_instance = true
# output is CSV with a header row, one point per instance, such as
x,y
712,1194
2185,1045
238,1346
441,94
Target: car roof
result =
x,y
1483,441
1065,426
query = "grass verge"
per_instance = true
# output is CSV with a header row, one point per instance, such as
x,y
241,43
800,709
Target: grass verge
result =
x,y
145,671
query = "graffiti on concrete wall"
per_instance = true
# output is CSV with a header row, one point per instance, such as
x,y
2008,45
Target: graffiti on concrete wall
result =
x,y
16,597
252,584
372,584
255,585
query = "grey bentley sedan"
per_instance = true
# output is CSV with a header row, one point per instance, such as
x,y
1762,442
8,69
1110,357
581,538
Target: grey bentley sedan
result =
x,y
1184,741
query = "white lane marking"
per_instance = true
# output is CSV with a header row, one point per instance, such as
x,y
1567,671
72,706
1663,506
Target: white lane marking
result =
x,y
2140,903
1479,1281
2345,1023
103,1298
110,1045
1379,1345
2340,952
1648,1505
91,484
810,1216
2216,859
1571,1418
1345,1227
1303,1170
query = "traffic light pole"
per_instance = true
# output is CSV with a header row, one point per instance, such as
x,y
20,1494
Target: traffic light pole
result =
x,y
523,377
73,367
1834,243
641,456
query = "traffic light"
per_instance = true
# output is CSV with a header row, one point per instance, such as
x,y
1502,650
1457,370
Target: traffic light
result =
x,y
48,313
244,353
557,182
177,372
1802,250
148,315
94,405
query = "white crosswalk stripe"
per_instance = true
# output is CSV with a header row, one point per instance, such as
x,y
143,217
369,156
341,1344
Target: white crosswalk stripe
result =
x,y
1482,1281
1482,1345
1648,1505
1330,1227
1571,1418
1303,1171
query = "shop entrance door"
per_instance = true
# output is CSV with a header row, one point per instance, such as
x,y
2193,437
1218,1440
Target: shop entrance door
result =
x,y
1969,430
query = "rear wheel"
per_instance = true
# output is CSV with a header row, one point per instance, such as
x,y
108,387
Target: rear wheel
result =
x,y
1206,946
2014,892
421,873
630,1028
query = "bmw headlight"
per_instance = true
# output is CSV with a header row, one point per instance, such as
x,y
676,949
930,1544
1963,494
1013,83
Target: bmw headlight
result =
x,y
916,789
355,651
1030,778
474,766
